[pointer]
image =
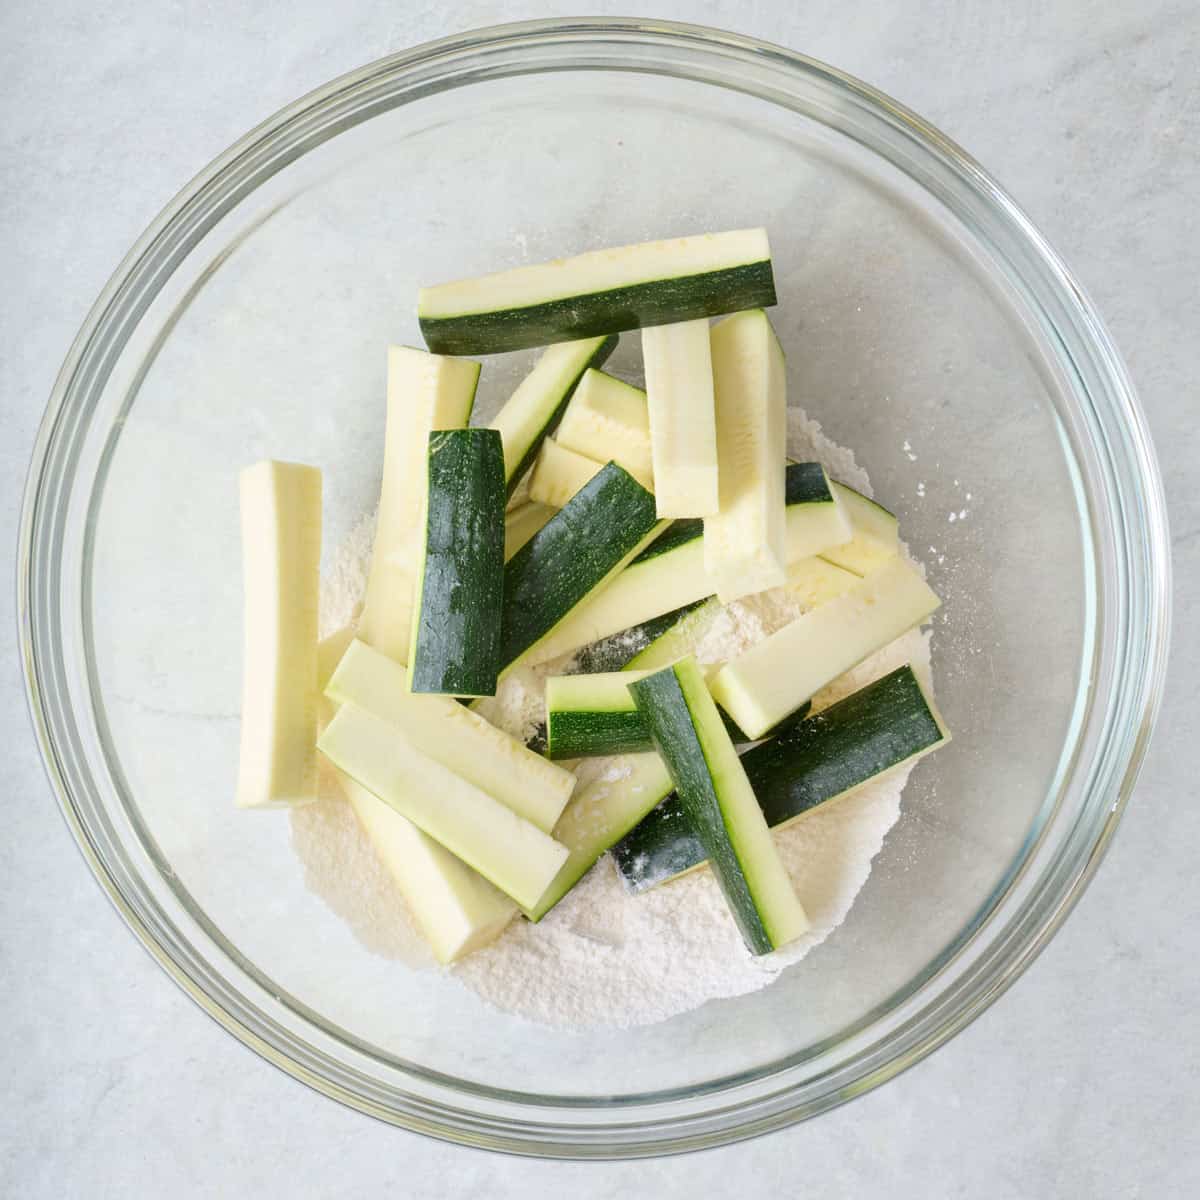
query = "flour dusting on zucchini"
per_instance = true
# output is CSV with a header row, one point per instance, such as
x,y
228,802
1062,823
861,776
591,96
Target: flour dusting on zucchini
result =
x,y
601,957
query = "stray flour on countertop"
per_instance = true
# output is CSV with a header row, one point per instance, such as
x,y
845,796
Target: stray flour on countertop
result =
x,y
601,956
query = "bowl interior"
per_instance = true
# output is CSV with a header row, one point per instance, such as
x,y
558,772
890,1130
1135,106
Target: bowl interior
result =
x,y
266,339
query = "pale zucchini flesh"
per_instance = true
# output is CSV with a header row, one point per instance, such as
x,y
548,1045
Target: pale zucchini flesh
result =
x,y
772,679
603,691
281,557
455,736
599,292
814,581
330,651
875,533
559,473
714,792
745,547
533,411
683,424
454,907
607,421
512,853
815,521
424,392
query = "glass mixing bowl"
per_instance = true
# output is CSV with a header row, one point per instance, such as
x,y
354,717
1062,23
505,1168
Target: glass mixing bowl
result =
x,y
928,326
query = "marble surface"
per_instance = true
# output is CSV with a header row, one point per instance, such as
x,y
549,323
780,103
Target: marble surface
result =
x,y
1084,1081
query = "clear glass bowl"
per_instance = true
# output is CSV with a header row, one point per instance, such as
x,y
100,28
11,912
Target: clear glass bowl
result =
x,y
928,326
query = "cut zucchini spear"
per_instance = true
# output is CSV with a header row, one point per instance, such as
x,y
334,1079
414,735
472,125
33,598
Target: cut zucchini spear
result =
x,y
460,574
607,421
456,909
745,543
281,557
559,473
455,736
521,523
424,393
683,424
535,408
719,803
882,727
762,686
603,291
504,848
670,573
603,527
875,533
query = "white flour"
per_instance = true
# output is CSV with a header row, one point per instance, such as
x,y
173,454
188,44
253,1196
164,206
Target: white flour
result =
x,y
602,957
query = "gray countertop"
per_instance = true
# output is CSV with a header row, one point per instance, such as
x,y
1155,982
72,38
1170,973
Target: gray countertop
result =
x,y
1083,1081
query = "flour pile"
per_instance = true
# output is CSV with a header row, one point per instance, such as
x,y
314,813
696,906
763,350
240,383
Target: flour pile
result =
x,y
603,957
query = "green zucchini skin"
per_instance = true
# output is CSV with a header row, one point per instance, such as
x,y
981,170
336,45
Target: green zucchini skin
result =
x,y
679,739
572,734
883,724
457,615
598,359
570,555
656,302
820,759
805,483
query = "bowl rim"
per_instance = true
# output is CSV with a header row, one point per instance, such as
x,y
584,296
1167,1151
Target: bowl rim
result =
x,y
733,1108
